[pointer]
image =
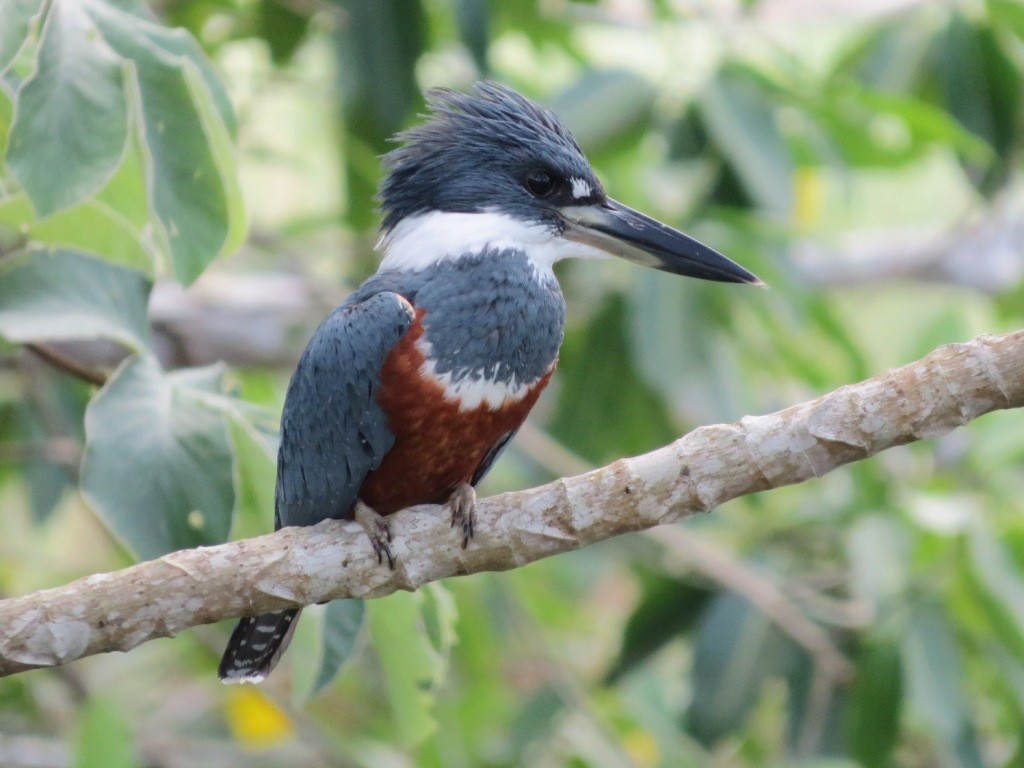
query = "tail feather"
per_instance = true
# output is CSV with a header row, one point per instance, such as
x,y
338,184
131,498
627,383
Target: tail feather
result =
x,y
256,646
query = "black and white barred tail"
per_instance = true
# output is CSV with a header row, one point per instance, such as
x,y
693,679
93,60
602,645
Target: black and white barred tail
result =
x,y
256,646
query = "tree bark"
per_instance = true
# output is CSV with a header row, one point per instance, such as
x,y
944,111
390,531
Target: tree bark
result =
x,y
705,468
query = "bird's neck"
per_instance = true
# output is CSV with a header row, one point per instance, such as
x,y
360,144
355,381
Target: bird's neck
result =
x,y
428,239
425,240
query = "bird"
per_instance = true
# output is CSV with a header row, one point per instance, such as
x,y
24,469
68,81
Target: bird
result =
x,y
409,391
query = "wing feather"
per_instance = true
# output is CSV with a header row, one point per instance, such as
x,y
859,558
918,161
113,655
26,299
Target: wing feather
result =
x,y
333,432
492,456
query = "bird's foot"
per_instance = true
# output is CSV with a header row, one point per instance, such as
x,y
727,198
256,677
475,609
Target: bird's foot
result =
x,y
377,529
462,504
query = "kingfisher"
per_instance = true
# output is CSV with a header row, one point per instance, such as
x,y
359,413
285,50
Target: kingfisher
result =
x,y
409,391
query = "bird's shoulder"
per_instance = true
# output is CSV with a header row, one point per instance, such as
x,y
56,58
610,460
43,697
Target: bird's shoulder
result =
x,y
350,346
333,432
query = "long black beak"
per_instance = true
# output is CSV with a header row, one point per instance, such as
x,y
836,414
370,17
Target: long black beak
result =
x,y
620,231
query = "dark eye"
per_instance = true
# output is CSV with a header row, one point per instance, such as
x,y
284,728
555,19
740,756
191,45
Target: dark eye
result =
x,y
540,183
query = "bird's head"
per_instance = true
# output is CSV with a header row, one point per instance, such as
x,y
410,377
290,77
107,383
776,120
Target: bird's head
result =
x,y
491,169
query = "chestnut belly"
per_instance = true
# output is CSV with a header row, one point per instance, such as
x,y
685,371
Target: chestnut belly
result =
x,y
438,445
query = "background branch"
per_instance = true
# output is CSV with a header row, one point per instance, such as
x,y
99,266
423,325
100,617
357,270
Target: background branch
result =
x,y
688,550
705,468
66,364
981,253
263,319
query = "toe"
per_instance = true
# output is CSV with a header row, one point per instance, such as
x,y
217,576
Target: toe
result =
x,y
377,530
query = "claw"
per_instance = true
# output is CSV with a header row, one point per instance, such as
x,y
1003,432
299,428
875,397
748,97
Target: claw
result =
x,y
462,504
378,531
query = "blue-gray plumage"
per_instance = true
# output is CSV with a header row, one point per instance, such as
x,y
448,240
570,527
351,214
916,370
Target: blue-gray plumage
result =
x,y
410,390
333,432
475,153
486,315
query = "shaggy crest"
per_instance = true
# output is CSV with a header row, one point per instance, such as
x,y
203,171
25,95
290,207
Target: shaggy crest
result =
x,y
471,152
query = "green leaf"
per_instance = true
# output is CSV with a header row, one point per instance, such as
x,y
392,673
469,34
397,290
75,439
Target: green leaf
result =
x,y
66,295
91,226
741,120
998,586
16,15
474,20
542,29
879,552
844,110
126,192
378,47
121,20
439,618
223,150
983,89
104,739
1010,670
686,368
876,701
186,121
538,717
667,608
187,194
606,110
1007,14
599,378
688,136
381,42
6,115
178,45
342,621
282,28
53,412
933,670
927,125
737,649
815,726
70,125
413,669
46,480
933,680
167,433
255,459
886,56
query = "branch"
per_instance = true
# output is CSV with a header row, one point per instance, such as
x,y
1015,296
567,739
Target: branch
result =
x,y
689,549
64,363
686,549
983,254
247,320
698,472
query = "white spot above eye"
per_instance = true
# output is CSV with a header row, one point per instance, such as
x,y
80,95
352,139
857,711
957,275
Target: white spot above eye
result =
x,y
581,188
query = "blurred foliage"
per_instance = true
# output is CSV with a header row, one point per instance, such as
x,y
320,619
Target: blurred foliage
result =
x,y
134,138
